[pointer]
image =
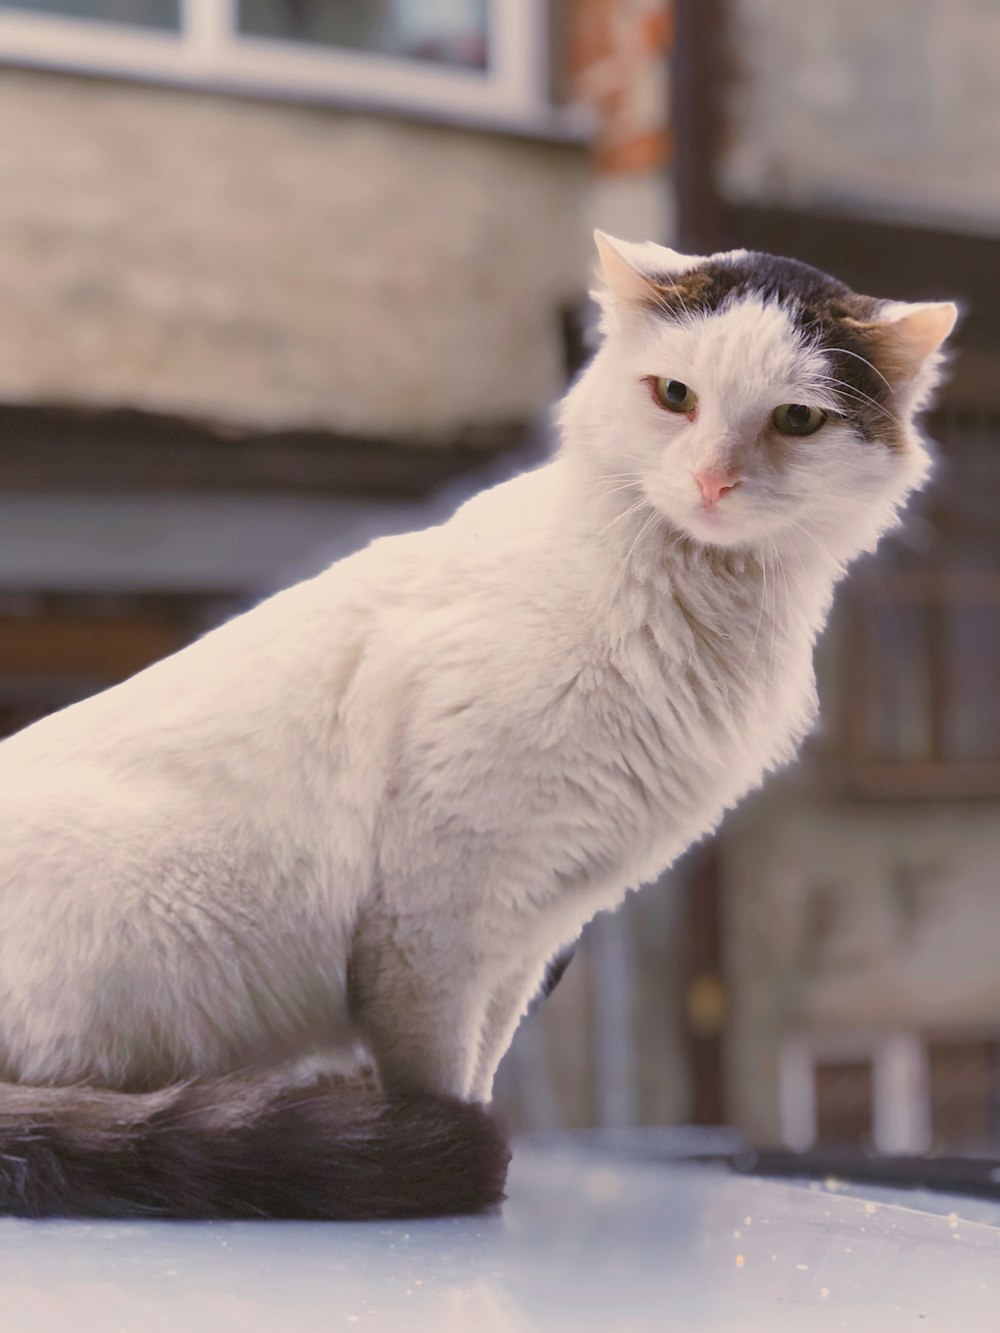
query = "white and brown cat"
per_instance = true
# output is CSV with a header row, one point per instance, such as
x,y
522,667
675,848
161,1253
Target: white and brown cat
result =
x,y
374,807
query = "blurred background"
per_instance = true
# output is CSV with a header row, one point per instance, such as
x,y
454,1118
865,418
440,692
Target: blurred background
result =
x,y
279,275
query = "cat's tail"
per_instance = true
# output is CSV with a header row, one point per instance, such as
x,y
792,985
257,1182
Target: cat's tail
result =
x,y
245,1147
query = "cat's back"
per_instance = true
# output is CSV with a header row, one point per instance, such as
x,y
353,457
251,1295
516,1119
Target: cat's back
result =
x,y
271,710
234,678
272,701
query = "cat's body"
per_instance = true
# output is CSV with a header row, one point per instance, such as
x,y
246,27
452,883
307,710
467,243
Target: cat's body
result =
x,y
339,787
379,803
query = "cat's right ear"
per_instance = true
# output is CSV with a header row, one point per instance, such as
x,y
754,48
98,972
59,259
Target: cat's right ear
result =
x,y
637,275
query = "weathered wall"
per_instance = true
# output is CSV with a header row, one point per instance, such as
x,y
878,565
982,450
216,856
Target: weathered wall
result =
x,y
273,264
893,106
850,916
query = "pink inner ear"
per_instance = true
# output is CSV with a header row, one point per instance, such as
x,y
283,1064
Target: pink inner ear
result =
x,y
626,268
626,282
924,330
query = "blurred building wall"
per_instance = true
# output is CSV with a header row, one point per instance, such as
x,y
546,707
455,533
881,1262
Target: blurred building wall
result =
x,y
266,264
893,106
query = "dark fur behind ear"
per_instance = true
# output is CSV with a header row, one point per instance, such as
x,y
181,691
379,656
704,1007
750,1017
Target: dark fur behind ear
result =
x,y
240,1148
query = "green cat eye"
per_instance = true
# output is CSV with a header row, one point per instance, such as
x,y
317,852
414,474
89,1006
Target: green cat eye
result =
x,y
673,395
797,419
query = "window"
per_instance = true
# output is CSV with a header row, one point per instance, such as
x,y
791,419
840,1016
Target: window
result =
x,y
455,33
464,59
142,13
924,713
922,647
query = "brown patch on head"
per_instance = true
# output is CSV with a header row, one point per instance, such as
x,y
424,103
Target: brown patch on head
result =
x,y
696,292
828,315
886,351
866,376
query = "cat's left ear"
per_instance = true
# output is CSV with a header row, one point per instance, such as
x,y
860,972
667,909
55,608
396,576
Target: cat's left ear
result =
x,y
909,335
637,274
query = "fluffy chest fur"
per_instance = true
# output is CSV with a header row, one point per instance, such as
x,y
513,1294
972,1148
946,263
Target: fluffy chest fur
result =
x,y
561,738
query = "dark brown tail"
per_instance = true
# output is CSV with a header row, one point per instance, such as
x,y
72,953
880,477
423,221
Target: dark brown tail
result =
x,y
245,1147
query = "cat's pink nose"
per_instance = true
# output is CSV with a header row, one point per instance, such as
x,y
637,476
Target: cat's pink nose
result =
x,y
714,485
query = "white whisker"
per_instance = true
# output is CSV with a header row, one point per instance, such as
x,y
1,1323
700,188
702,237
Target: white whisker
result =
x,y
813,538
628,555
760,618
616,490
858,357
633,509
858,396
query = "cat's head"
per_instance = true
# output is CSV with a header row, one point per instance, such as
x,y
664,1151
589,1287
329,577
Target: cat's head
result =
x,y
751,396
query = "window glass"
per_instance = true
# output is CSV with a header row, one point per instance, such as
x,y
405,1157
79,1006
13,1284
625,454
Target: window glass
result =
x,y
972,717
899,704
921,704
447,32
142,13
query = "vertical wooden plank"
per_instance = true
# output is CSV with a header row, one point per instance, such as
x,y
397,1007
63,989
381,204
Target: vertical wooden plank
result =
x,y
698,83
704,987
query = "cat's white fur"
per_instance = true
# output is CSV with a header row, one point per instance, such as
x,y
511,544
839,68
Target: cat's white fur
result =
x,y
436,761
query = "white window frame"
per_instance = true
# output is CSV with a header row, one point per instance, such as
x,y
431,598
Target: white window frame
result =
x,y
209,52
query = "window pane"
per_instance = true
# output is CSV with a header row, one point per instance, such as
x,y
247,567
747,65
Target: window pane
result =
x,y
899,705
142,13
446,32
972,723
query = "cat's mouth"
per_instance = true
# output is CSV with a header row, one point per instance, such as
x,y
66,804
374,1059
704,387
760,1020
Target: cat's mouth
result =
x,y
719,524
730,520
716,523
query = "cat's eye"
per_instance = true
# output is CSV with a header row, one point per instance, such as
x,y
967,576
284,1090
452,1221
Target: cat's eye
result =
x,y
672,394
797,419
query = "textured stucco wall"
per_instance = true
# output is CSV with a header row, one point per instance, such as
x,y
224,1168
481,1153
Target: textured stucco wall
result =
x,y
892,106
853,917
274,264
